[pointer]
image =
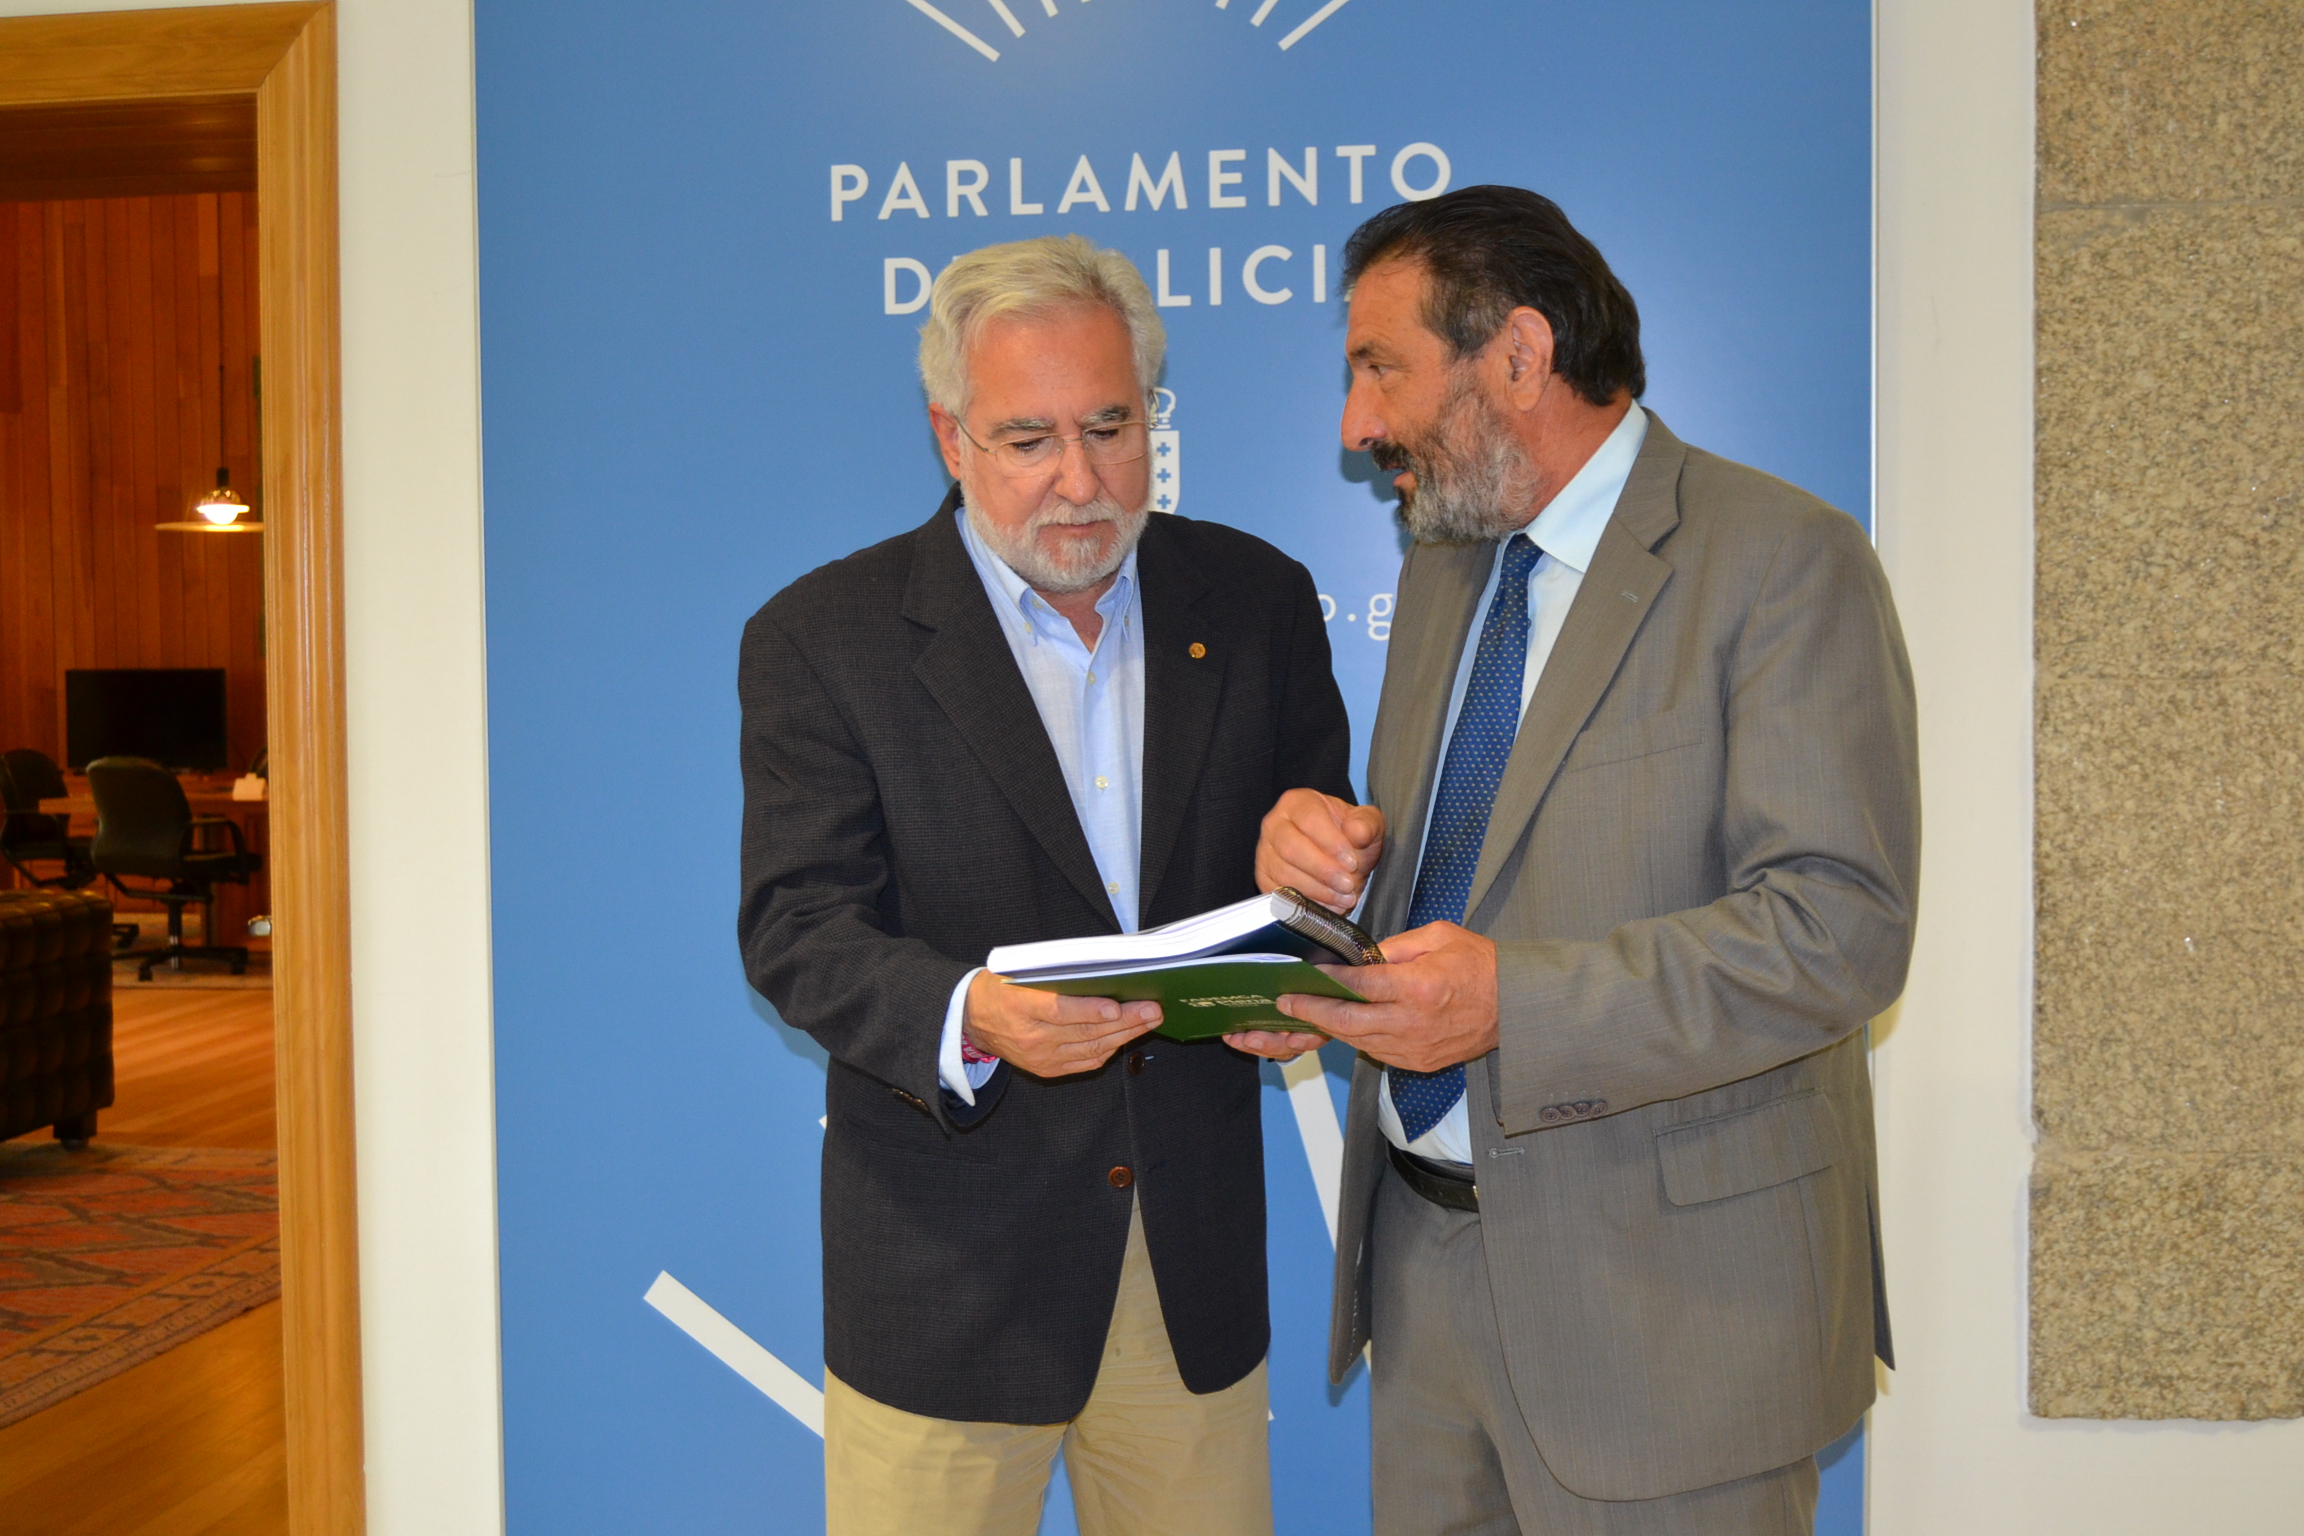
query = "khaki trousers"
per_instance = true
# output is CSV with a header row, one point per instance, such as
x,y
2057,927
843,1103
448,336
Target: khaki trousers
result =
x,y
1146,1456
1452,1454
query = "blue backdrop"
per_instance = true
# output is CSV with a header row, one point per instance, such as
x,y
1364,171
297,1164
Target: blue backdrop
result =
x,y
705,230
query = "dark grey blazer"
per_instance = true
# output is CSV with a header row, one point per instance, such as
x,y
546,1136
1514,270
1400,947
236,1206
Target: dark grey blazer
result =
x,y
1701,874
904,813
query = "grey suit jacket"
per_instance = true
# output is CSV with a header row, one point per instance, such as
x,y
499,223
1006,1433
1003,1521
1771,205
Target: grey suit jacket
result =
x,y
1700,874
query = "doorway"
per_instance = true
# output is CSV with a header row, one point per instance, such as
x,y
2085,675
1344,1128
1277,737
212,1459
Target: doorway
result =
x,y
282,59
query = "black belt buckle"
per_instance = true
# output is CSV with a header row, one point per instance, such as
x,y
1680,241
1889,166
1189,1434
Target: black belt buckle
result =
x,y
1455,1194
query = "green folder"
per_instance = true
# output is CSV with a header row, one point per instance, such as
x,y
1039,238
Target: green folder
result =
x,y
1204,998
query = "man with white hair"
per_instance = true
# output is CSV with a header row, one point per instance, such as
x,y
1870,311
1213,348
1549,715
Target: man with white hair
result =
x,y
1043,713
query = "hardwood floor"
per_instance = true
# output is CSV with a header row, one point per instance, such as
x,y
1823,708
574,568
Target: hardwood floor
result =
x,y
193,1068
189,1444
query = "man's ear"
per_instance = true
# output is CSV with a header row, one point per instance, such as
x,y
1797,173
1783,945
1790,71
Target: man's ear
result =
x,y
1527,356
947,427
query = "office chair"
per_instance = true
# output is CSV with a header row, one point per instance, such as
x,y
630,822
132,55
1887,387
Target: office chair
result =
x,y
145,830
27,836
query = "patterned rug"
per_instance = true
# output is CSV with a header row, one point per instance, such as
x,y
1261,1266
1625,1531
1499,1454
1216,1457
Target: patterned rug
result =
x,y
112,1255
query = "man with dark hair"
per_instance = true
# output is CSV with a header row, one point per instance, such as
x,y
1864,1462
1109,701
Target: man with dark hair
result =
x,y
1490,250
1644,833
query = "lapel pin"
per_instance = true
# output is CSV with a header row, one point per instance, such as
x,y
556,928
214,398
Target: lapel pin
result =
x,y
1196,650
1631,597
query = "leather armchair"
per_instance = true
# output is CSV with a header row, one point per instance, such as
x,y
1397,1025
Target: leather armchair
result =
x,y
55,1012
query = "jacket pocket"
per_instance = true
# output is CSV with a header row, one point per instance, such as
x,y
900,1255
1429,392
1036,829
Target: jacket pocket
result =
x,y
1675,728
1751,1149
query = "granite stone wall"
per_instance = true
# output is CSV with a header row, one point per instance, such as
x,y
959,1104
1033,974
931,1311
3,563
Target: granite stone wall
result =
x,y
2167,1210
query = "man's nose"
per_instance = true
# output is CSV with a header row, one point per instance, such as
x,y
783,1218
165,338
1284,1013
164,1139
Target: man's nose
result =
x,y
1076,479
1363,423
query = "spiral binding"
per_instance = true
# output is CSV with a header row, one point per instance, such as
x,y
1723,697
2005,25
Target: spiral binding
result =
x,y
1339,935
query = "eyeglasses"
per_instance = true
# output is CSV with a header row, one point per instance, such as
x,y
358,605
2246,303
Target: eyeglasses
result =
x,y
1036,453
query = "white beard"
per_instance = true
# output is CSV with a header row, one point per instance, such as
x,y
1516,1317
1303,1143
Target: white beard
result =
x,y
1079,567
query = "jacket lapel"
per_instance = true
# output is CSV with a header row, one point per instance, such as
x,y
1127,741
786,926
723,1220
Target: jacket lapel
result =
x,y
1611,603
969,671
1181,695
1440,585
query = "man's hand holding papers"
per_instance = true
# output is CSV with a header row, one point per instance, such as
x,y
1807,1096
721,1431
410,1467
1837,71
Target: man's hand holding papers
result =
x,y
1326,848
1432,1006
1046,1033
1207,975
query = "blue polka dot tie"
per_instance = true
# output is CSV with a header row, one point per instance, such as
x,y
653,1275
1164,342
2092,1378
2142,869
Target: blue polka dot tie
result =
x,y
1477,752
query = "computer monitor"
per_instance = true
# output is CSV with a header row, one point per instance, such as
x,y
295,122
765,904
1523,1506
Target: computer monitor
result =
x,y
172,715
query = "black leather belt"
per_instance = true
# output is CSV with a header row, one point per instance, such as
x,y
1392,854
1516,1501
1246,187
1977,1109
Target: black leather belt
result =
x,y
1436,1183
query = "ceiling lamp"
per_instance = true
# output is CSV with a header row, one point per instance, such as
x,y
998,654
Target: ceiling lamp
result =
x,y
218,510
223,504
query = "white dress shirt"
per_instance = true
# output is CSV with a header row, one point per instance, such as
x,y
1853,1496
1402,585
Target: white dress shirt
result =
x,y
1092,706
1567,531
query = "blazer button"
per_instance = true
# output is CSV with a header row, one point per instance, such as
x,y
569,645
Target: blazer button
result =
x,y
1122,1176
1135,1062
1548,1115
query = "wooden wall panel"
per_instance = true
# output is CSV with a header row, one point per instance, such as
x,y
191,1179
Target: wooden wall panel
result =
x,y
127,353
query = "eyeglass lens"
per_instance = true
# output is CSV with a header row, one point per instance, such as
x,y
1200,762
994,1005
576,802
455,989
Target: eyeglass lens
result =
x,y
1120,443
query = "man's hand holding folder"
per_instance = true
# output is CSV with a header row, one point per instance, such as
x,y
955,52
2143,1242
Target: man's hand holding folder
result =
x,y
1325,848
1219,972
1046,1033
1431,1005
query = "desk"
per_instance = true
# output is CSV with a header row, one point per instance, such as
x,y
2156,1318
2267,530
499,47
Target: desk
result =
x,y
235,904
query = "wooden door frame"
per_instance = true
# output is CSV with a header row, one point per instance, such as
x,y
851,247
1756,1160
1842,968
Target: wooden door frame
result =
x,y
284,55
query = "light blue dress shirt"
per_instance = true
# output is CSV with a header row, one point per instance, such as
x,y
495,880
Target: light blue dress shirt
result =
x,y
1092,705
1567,531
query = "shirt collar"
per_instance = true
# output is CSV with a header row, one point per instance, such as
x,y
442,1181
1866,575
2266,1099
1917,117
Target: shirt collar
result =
x,y
1568,529
1000,579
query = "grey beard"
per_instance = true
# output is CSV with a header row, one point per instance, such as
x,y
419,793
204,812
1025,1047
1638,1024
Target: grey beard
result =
x,y
1473,482
1075,572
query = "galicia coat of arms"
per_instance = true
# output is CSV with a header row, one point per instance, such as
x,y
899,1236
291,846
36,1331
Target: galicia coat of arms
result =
x,y
1167,453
